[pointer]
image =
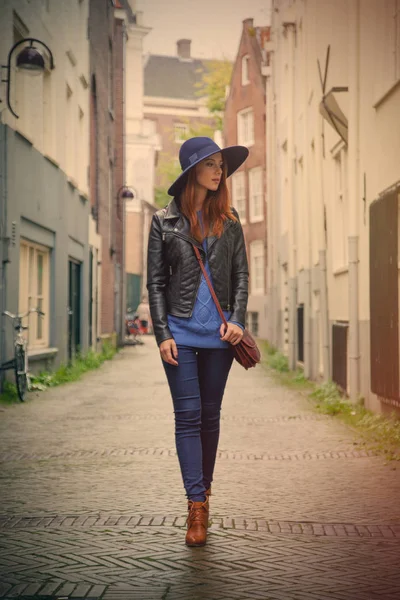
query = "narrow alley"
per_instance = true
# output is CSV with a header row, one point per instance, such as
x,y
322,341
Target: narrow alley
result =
x,y
93,505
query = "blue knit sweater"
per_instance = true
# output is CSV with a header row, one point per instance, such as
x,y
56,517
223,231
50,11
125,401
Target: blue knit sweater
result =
x,y
201,330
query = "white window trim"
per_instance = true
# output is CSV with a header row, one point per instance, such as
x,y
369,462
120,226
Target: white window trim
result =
x,y
253,218
256,252
389,55
340,215
184,128
235,200
28,293
245,69
242,139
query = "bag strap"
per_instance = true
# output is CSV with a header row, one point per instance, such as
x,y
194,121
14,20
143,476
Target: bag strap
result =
x,y
206,277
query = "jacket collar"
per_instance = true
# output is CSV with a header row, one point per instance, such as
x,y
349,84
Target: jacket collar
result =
x,y
172,211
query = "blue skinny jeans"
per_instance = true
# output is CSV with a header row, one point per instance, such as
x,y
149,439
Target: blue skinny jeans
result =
x,y
197,386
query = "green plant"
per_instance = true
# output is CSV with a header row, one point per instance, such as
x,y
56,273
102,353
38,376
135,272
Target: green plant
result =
x,y
73,371
330,400
380,433
9,394
279,362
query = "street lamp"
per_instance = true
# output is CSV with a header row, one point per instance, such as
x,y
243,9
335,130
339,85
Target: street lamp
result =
x,y
29,60
125,193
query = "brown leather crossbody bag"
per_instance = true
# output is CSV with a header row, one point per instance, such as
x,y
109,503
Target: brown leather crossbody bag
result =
x,y
246,352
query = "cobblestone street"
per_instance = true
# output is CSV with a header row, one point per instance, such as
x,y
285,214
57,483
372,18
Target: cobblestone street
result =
x,y
92,504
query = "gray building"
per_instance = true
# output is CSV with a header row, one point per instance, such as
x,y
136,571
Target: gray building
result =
x,y
44,158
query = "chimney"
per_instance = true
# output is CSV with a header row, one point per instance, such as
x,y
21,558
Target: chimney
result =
x,y
248,23
183,47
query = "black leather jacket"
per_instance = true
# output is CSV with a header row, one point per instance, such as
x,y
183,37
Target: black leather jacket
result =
x,y
174,274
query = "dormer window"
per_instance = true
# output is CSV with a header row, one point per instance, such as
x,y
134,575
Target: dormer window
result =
x,y
245,69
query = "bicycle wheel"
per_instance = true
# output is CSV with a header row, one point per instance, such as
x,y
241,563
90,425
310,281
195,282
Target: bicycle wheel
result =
x,y
21,376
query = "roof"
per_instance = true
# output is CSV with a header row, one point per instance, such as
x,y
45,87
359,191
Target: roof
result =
x,y
172,77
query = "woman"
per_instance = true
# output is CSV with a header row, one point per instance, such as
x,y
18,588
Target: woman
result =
x,y
195,347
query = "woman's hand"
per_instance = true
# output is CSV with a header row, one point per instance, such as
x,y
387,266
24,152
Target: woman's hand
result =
x,y
169,351
233,333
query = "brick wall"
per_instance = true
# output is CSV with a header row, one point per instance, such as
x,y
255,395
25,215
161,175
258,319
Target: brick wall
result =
x,y
107,158
165,128
246,96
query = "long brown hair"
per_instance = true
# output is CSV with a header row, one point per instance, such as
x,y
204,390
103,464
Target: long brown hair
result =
x,y
216,208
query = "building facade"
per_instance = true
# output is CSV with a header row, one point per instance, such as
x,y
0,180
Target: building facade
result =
x,y
44,188
141,147
333,97
172,103
107,27
244,124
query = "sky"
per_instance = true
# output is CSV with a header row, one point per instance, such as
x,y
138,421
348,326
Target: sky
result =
x,y
214,26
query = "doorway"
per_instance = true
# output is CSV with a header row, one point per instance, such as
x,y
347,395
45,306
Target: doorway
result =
x,y
74,309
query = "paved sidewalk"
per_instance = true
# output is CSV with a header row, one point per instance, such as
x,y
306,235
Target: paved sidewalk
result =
x,y
92,504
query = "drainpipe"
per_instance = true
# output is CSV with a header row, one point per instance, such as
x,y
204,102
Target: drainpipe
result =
x,y
123,265
4,245
354,196
270,208
321,237
307,196
290,30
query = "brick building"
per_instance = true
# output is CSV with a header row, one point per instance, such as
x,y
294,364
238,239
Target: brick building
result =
x,y
107,165
245,124
171,100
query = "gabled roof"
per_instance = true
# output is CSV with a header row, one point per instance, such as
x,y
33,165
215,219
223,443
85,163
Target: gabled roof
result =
x,y
172,77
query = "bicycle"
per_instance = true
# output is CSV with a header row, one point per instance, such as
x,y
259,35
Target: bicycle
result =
x,y
20,361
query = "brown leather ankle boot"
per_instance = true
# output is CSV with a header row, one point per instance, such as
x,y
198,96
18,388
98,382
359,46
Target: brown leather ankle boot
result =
x,y
197,523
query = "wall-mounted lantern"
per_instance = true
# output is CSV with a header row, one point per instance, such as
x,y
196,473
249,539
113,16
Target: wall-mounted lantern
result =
x,y
28,60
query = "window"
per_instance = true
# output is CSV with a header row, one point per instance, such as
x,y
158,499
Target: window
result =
x,y
245,127
245,69
340,218
181,131
388,48
257,267
34,290
239,194
256,207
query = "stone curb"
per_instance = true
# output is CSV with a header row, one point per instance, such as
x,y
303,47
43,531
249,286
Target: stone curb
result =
x,y
171,452
88,521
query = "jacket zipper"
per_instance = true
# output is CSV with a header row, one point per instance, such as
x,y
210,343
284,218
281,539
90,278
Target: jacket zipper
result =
x,y
186,238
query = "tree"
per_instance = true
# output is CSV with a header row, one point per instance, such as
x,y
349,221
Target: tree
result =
x,y
215,79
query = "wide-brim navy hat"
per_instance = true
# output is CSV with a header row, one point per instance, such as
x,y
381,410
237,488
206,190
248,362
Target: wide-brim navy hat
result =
x,y
197,149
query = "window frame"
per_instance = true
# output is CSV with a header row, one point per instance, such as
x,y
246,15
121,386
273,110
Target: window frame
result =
x,y
245,138
245,69
341,207
239,202
253,217
255,247
184,131
29,296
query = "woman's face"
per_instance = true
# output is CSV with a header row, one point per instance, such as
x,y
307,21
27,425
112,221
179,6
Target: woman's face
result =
x,y
209,172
